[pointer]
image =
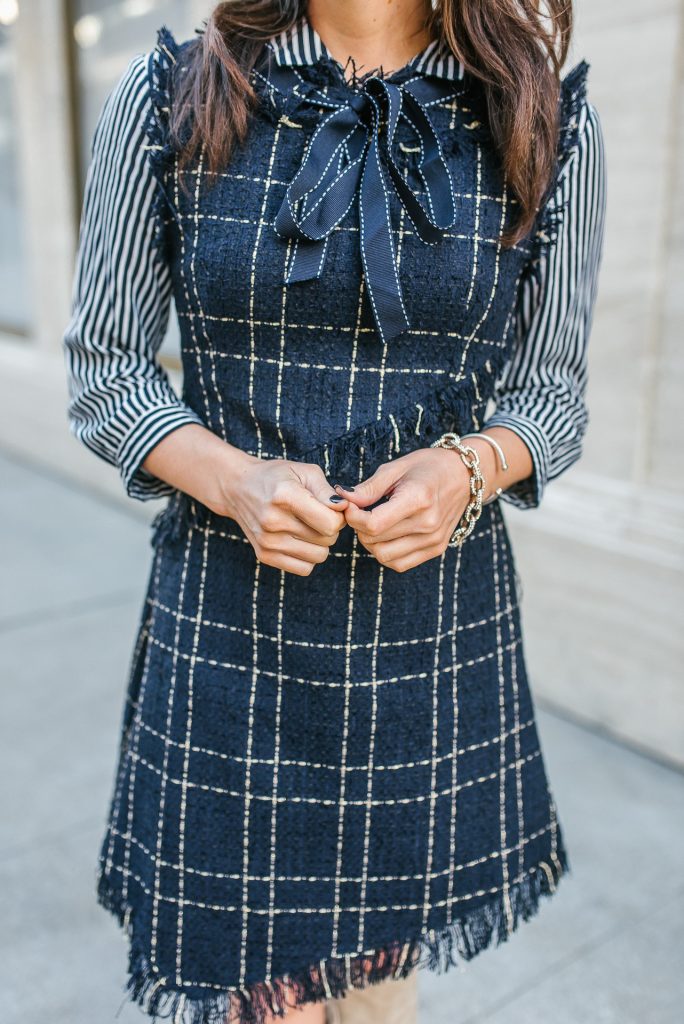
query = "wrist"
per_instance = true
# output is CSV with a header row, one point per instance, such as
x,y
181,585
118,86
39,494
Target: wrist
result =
x,y
197,461
489,464
228,469
470,457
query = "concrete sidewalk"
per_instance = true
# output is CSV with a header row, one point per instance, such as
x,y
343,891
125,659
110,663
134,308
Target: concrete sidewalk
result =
x,y
607,948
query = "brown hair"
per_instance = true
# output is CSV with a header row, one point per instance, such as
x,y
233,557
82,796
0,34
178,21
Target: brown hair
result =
x,y
516,48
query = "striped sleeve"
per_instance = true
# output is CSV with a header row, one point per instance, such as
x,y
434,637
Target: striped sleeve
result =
x,y
542,396
121,401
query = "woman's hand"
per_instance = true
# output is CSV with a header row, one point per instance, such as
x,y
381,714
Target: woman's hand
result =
x,y
287,510
428,491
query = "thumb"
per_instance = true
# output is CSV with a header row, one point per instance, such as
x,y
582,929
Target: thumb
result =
x,y
373,487
316,482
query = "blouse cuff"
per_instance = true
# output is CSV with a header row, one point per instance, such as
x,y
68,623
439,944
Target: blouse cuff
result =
x,y
525,493
147,430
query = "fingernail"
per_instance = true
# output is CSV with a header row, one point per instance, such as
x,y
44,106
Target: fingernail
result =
x,y
335,497
344,488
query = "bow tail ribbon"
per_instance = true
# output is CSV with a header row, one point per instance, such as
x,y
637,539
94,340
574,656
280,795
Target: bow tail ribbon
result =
x,y
321,193
375,224
433,170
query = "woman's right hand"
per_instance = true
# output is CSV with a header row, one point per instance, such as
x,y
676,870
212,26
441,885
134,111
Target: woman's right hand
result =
x,y
288,510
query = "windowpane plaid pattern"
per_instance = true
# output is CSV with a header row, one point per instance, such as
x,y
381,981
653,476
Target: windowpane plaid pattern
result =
x,y
330,780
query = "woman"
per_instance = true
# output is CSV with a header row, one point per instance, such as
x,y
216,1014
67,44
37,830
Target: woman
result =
x,y
374,219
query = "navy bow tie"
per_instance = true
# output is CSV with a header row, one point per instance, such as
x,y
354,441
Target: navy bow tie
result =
x,y
350,155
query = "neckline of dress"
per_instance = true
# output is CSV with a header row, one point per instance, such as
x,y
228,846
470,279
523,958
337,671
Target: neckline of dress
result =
x,y
301,45
377,70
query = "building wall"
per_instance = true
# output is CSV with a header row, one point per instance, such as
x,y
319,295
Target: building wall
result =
x,y
602,559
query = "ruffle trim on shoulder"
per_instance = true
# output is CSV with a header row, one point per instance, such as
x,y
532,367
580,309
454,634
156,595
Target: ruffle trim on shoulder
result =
x,y
489,924
454,406
573,98
162,63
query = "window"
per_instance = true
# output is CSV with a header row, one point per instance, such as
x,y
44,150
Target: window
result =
x,y
107,33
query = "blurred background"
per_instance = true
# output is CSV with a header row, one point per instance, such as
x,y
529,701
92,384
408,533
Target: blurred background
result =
x,y
601,560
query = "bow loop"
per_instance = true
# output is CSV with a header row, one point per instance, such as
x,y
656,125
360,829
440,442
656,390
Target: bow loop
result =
x,y
350,157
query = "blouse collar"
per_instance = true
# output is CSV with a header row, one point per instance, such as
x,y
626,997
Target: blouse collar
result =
x,y
301,44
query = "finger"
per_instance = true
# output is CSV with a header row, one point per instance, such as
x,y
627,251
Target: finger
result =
x,y
406,547
315,480
297,528
407,562
286,544
279,520
273,554
289,564
374,487
421,522
296,498
405,501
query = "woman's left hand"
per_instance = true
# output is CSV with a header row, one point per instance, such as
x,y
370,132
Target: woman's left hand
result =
x,y
428,491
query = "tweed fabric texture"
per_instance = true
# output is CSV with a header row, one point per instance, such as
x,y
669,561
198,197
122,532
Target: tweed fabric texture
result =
x,y
319,771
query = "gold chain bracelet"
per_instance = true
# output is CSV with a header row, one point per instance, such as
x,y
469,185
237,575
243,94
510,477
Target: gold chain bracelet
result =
x,y
471,461
502,459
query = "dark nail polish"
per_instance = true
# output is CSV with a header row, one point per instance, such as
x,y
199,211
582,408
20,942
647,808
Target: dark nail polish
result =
x,y
336,497
344,488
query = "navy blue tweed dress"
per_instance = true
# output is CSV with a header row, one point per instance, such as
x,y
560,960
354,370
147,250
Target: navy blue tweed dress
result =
x,y
319,771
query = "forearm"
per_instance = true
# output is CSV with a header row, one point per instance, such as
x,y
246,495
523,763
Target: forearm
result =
x,y
518,458
197,461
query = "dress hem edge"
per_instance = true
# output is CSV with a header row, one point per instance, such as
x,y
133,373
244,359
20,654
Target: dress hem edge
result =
x,y
436,949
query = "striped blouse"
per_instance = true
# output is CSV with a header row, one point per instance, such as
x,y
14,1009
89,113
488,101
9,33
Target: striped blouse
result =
x,y
121,400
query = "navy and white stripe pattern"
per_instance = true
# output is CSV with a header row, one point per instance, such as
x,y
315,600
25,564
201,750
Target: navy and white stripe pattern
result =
x,y
121,400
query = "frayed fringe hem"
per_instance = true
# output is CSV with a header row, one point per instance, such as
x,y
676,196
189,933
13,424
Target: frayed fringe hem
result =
x,y
437,950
